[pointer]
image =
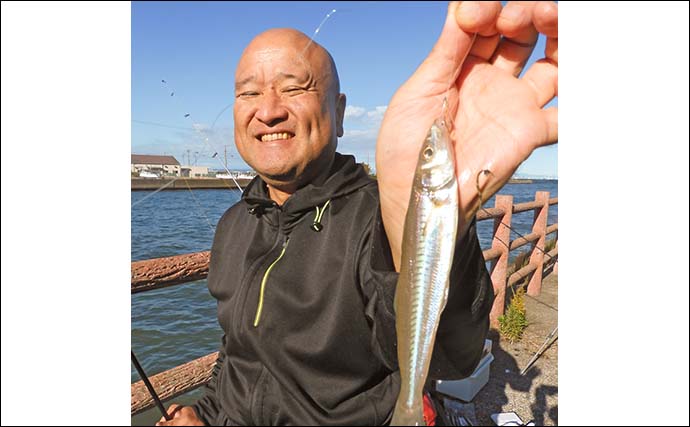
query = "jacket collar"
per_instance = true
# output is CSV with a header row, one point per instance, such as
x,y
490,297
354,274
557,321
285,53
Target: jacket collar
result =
x,y
344,177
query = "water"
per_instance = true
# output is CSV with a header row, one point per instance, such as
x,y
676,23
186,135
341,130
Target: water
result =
x,y
175,325
520,222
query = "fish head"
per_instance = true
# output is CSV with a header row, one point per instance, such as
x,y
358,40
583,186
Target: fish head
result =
x,y
436,164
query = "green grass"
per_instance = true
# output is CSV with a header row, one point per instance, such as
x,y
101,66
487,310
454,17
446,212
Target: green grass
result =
x,y
513,322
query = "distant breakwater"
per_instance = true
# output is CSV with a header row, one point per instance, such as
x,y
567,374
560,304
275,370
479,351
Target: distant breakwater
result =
x,y
148,184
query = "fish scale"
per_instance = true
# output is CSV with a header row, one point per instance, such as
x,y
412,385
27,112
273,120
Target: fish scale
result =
x,y
427,253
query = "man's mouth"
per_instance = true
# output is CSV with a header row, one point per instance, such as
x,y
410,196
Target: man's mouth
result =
x,y
276,136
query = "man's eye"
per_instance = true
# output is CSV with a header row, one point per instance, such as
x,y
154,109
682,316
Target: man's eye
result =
x,y
293,90
248,94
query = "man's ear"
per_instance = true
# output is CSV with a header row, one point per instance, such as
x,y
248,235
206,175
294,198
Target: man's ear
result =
x,y
340,113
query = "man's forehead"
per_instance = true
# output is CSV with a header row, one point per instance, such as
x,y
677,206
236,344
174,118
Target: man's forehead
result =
x,y
283,54
247,78
275,64
272,68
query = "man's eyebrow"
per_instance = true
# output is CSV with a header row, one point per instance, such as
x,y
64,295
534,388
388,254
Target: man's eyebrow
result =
x,y
244,81
286,76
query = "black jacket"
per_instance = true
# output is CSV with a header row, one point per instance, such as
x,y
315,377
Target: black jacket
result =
x,y
323,350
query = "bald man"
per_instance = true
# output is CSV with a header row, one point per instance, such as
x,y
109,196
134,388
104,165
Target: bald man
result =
x,y
304,267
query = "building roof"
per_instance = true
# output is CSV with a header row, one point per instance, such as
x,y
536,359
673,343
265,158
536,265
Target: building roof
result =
x,y
145,159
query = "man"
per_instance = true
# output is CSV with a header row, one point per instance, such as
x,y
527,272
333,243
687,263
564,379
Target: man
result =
x,y
304,267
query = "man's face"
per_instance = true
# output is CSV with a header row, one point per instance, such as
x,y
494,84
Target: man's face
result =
x,y
287,111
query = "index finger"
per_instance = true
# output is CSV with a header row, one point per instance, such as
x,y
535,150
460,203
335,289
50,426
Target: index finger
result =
x,y
478,17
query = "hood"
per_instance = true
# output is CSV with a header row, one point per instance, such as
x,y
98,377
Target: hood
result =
x,y
344,177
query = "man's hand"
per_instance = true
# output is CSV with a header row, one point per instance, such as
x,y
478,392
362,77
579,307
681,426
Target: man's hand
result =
x,y
497,119
181,416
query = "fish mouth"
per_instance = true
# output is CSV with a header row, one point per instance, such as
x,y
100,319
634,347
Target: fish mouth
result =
x,y
275,136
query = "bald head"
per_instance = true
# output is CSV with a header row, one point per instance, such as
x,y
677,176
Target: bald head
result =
x,y
306,54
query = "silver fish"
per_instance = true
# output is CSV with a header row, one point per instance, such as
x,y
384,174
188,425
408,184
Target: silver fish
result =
x,y
427,254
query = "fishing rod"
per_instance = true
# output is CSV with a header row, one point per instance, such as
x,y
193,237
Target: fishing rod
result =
x,y
541,350
150,388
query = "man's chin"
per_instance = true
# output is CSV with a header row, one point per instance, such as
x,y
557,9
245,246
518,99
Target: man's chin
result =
x,y
278,176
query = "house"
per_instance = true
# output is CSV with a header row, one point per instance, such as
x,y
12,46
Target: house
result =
x,y
194,171
160,165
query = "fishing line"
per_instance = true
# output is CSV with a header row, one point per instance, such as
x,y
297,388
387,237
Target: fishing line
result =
x,y
203,135
213,230
445,111
198,128
311,40
151,194
162,125
479,193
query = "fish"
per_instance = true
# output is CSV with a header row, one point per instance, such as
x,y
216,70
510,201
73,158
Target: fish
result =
x,y
427,253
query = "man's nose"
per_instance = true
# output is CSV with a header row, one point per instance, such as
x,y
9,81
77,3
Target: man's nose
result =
x,y
271,109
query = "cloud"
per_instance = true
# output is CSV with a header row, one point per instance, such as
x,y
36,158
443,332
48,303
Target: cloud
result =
x,y
198,144
352,111
361,130
376,115
359,141
360,115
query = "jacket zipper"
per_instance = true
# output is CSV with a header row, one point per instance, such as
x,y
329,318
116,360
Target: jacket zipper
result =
x,y
259,308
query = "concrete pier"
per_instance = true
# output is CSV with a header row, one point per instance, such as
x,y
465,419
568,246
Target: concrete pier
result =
x,y
139,184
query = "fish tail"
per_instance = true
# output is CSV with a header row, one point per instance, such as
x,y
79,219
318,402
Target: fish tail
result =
x,y
408,416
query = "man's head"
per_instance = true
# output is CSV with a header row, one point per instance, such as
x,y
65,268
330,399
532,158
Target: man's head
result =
x,y
288,109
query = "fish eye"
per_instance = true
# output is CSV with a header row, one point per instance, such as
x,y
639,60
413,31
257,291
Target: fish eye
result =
x,y
428,152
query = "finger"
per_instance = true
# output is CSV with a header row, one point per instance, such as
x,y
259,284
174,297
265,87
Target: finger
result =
x,y
546,22
175,410
478,16
551,121
545,18
171,413
519,37
484,47
551,50
542,76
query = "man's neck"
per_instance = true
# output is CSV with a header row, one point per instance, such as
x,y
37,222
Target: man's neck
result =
x,y
279,192
277,195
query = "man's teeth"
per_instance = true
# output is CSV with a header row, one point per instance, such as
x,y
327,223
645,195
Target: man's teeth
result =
x,y
274,136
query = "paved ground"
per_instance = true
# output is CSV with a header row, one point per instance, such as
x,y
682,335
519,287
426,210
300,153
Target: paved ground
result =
x,y
533,396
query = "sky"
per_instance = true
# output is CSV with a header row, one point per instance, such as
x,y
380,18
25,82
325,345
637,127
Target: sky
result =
x,y
184,55
71,84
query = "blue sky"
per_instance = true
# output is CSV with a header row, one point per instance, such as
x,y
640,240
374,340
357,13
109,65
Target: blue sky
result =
x,y
195,46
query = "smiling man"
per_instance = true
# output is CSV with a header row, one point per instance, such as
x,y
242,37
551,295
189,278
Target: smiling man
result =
x,y
288,110
304,266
